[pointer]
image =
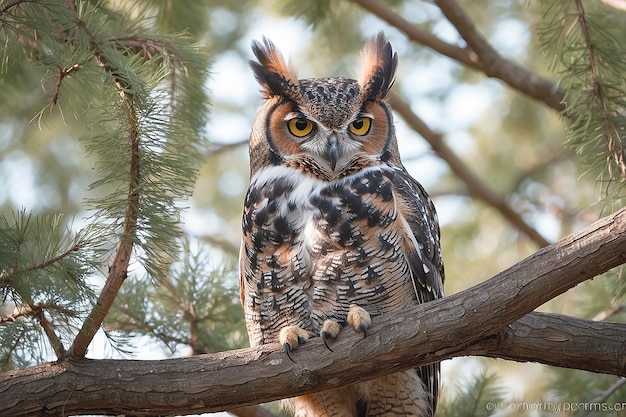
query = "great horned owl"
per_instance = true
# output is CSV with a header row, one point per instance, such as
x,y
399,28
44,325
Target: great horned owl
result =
x,y
335,231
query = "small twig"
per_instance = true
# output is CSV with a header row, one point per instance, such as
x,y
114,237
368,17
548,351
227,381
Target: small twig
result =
x,y
188,310
38,311
19,311
6,277
48,328
26,310
604,395
54,260
63,72
475,186
152,48
191,316
9,5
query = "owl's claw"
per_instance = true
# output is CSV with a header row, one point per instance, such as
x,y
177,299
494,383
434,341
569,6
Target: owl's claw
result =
x,y
359,319
287,349
291,336
325,340
363,328
330,329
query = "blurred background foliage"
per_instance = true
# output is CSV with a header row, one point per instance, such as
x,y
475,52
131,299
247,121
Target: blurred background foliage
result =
x,y
544,164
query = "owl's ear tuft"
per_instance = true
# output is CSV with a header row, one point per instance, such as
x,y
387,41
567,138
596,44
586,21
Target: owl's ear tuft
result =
x,y
378,67
276,77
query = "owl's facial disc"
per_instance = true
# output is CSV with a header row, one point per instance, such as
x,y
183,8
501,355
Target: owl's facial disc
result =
x,y
300,134
313,138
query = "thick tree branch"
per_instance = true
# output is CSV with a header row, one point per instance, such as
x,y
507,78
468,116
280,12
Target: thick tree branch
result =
x,y
478,55
417,34
216,382
494,65
486,319
475,186
570,341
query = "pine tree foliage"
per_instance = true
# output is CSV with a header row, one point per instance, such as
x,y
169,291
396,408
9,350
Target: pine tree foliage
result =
x,y
593,394
140,101
604,298
44,289
196,306
587,42
471,397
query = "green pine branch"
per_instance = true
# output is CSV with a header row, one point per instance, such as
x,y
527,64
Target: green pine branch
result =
x,y
44,289
471,397
194,306
141,95
587,44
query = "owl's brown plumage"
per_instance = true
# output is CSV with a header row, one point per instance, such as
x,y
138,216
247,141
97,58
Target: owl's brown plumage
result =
x,y
335,231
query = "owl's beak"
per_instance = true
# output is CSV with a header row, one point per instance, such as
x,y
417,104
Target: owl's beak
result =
x,y
333,152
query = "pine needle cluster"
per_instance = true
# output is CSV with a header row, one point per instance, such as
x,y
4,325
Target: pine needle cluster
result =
x,y
44,287
479,395
196,306
586,41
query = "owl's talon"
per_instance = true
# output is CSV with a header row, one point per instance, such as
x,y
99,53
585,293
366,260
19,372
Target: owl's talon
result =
x,y
359,319
330,329
291,336
287,349
363,328
325,340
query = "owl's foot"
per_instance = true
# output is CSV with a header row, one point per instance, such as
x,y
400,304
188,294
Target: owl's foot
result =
x,y
291,336
330,329
359,319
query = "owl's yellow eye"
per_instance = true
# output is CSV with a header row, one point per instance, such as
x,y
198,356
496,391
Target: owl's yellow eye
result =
x,y
300,127
360,126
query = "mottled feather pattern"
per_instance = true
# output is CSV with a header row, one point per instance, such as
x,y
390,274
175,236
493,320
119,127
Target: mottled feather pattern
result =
x,y
306,262
335,230
331,100
378,65
272,72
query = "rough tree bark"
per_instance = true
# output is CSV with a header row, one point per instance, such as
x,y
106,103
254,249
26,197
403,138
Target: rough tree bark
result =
x,y
493,318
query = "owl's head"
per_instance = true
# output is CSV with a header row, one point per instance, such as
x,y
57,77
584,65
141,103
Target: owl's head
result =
x,y
327,127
